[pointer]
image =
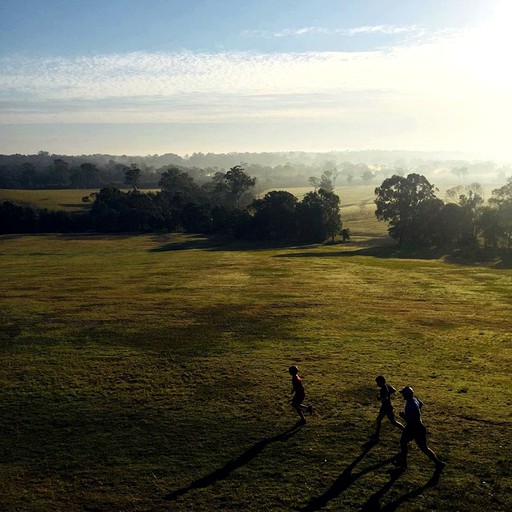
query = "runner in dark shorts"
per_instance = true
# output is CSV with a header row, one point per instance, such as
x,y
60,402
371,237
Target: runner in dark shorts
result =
x,y
299,394
414,431
386,408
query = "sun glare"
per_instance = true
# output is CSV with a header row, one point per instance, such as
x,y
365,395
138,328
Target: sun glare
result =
x,y
493,47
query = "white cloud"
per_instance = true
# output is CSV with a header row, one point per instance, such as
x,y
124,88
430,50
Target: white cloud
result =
x,y
302,31
453,89
380,29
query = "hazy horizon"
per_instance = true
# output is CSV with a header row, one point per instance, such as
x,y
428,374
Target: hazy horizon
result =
x,y
151,77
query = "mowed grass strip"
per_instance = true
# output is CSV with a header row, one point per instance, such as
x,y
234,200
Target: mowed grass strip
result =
x,y
150,373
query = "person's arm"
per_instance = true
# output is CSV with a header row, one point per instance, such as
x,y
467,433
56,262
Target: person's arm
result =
x,y
392,390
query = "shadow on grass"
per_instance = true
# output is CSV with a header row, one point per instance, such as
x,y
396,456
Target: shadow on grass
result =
x,y
345,480
224,472
371,248
213,243
190,242
77,206
373,504
482,257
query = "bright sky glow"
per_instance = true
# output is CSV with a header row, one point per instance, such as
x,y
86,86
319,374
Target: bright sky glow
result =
x,y
139,77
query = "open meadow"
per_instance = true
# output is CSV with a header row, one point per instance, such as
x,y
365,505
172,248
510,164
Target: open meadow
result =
x,y
65,199
149,373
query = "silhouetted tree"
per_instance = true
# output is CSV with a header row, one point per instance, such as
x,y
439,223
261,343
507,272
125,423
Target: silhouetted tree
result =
x,y
501,200
330,212
15,218
60,173
310,220
410,206
91,174
238,184
179,185
132,177
217,189
452,223
489,226
471,205
274,216
138,212
57,222
314,181
196,218
328,180
28,176
108,208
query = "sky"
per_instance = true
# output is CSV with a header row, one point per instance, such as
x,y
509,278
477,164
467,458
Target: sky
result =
x,y
141,77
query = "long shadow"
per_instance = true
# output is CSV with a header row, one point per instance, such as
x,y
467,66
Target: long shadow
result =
x,y
208,243
78,206
392,506
496,259
224,472
371,249
373,503
186,245
345,480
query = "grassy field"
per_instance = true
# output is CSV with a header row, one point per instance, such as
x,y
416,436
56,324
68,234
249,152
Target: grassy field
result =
x,y
71,199
149,373
67,199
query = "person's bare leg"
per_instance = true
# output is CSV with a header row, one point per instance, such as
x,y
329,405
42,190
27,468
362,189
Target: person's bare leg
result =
x,y
431,455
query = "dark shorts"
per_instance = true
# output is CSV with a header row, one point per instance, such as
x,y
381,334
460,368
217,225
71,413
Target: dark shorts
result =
x,y
387,410
298,399
415,432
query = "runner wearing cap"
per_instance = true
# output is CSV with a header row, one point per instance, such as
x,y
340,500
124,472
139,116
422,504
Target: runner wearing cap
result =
x,y
414,430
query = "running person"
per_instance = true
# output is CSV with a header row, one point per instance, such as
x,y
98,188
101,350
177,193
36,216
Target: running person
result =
x,y
298,394
386,408
415,430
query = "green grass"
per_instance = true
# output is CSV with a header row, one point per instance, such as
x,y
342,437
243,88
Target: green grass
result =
x,y
67,200
150,372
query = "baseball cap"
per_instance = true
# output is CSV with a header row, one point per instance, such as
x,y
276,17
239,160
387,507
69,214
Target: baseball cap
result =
x,y
407,390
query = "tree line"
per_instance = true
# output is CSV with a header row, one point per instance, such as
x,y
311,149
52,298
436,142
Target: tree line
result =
x,y
225,204
42,172
291,169
416,215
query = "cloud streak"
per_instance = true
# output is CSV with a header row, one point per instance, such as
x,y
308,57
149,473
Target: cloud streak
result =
x,y
450,87
312,30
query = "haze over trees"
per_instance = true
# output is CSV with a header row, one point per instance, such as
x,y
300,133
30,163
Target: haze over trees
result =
x,y
272,170
416,215
214,201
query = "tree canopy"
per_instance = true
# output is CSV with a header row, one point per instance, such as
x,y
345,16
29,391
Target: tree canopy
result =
x,y
410,206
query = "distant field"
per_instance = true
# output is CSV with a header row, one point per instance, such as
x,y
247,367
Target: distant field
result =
x,y
68,200
71,199
150,373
